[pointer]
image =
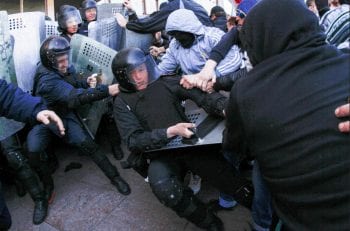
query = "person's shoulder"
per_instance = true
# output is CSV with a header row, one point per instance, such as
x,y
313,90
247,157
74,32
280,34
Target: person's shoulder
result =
x,y
213,31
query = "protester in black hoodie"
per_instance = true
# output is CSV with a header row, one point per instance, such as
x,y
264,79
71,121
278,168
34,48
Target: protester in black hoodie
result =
x,y
283,114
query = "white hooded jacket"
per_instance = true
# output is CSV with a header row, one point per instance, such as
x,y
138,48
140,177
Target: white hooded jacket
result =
x,y
192,60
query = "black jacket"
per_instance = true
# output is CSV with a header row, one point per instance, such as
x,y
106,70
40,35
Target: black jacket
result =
x,y
143,118
156,21
282,113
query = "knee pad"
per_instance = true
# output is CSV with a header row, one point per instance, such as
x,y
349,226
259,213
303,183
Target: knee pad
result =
x,y
16,160
168,191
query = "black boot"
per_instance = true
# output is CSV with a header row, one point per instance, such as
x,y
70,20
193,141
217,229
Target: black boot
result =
x,y
117,151
111,172
195,211
40,211
30,182
121,185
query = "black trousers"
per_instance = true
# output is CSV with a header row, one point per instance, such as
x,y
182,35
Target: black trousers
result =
x,y
5,217
205,161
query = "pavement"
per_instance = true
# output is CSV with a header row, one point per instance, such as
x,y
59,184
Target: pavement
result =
x,y
85,200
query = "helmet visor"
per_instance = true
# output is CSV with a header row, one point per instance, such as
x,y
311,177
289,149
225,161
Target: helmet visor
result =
x,y
72,18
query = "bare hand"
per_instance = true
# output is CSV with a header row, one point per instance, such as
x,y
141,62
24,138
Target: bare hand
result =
x,y
180,129
158,36
128,4
188,81
92,80
343,111
156,51
47,116
121,20
113,89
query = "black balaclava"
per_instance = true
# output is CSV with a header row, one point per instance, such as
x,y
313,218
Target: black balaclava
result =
x,y
186,39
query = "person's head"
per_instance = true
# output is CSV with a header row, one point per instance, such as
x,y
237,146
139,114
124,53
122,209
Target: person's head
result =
x,y
217,11
54,54
69,19
312,6
134,70
322,7
89,10
231,23
288,34
184,26
242,10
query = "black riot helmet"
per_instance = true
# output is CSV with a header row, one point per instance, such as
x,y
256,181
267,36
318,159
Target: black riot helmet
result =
x,y
66,16
51,48
85,5
131,60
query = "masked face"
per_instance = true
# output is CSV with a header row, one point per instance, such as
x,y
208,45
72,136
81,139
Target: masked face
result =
x,y
184,38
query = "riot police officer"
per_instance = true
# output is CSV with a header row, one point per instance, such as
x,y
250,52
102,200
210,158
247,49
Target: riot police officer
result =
x,y
69,20
149,114
16,104
19,163
88,11
55,81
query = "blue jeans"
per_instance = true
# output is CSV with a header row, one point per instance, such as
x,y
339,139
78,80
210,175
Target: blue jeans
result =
x,y
262,203
225,200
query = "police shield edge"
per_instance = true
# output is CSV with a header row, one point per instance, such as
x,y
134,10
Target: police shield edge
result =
x,y
198,116
107,31
108,10
7,72
90,57
26,27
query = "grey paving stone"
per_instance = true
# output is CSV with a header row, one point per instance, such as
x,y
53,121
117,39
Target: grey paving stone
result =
x,y
86,201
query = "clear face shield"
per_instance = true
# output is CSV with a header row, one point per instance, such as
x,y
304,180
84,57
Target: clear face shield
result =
x,y
143,73
72,18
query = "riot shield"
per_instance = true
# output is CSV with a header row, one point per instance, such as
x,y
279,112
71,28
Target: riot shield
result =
x,y
28,30
133,39
108,32
209,130
51,28
7,72
108,10
89,57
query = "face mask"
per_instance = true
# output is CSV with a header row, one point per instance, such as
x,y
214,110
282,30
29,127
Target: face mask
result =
x,y
185,39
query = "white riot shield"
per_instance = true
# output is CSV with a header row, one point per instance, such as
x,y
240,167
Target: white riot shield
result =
x,y
7,72
133,39
28,30
108,32
109,10
51,28
209,130
89,57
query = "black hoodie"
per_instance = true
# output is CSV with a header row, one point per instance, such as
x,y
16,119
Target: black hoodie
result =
x,y
282,113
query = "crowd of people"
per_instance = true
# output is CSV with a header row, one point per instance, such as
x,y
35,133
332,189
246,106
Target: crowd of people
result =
x,y
284,65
